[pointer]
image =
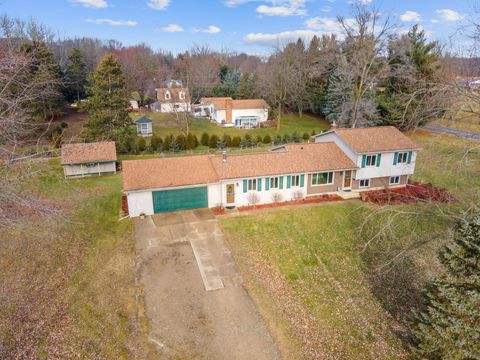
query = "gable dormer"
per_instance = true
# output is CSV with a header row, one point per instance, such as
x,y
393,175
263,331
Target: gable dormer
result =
x,y
181,95
168,95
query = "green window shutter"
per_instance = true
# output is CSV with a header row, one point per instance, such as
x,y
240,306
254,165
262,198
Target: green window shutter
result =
x,y
395,158
379,159
409,157
280,185
302,180
259,185
267,184
364,160
244,186
289,180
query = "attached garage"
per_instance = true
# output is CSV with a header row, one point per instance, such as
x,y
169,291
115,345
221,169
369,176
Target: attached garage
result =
x,y
180,199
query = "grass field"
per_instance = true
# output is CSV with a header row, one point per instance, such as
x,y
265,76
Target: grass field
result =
x,y
164,124
68,279
330,288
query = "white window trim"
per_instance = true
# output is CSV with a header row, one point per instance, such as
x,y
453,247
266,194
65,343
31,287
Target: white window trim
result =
x,y
395,182
291,181
404,155
168,96
181,95
274,179
371,157
364,186
325,172
252,182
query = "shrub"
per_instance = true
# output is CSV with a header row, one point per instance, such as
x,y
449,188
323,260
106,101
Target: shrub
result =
x,y
191,141
236,141
259,139
253,198
296,137
277,140
248,137
174,147
166,142
227,139
205,139
276,197
306,136
286,139
213,141
142,144
314,132
181,140
221,144
298,195
156,143
267,139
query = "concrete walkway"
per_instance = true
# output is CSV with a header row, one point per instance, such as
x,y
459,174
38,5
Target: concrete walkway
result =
x,y
454,132
185,321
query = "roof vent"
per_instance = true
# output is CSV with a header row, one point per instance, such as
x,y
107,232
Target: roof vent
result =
x,y
224,155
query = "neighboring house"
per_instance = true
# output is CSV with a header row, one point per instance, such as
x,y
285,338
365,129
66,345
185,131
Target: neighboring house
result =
x,y
245,114
350,162
384,156
172,99
134,105
80,160
144,126
203,110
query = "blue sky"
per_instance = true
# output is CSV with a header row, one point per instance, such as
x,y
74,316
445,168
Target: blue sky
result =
x,y
251,26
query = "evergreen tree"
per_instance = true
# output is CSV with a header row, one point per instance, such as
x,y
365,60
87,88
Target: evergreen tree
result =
x,y
205,139
450,326
191,141
142,144
156,143
236,140
213,141
76,76
247,87
267,139
107,102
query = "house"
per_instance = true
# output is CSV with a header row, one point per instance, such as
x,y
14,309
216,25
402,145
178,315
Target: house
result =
x,y
349,162
144,126
245,114
173,98
384,156
80,160
134,105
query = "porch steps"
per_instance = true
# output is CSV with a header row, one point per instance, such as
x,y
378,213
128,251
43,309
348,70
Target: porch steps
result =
x,y
349,195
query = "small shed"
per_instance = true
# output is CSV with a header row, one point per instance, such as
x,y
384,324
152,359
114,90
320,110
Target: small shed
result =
x,y
89,159
144,126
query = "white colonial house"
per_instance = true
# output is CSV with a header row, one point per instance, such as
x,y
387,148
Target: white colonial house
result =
x,y
225,111
89,159
381,157
172,99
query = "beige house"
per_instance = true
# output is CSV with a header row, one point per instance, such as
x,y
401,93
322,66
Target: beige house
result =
x,y
80,160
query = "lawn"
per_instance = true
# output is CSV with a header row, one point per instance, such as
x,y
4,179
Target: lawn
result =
x,y
164,124
68,278
333,280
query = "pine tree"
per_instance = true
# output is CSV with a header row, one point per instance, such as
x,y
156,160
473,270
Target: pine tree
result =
x,y
107,102
246,87
335,97
450,326
76,76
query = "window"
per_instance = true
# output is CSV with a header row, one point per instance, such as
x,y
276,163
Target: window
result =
x,y
402,158
364,183
252,184
168,96
274,183
322,178
181,95
371,160
91,165
394,180
296,180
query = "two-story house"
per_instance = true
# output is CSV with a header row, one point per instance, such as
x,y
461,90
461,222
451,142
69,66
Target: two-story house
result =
x,y
384,156
172,98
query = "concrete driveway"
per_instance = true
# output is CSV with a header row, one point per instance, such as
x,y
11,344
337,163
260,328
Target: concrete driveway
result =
x,y
196,306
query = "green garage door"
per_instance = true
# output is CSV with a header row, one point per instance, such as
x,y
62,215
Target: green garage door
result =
x,y
180,199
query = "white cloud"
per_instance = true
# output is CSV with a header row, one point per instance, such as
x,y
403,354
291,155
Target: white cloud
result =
x,y
328,25
279,39
112,22
404,31
212,29
172,28
434,21
158,4
326,9
449,15
98,4
365,2
275,7
410,16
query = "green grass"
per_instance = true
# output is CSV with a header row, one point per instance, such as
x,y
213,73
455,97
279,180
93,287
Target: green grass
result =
x,y
81,264
164,124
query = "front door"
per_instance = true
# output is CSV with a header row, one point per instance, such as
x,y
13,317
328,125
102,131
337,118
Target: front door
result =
x,y
347,179
230,193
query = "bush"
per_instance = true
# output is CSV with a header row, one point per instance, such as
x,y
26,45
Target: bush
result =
x,y
267,139
205,139
236,141
286,139
127,144
221,144
213,141
156,143
277,140
296,137
142,144
191,141
181,140
314,132
306,136
259,139
166,142
174,147
227,139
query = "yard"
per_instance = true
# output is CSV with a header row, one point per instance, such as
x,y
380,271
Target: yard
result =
x,y
332,289
68,278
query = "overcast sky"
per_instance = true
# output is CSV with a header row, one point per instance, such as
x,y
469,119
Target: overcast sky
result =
x,y
251,26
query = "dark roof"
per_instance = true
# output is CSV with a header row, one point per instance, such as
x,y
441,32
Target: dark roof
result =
x,y
143,120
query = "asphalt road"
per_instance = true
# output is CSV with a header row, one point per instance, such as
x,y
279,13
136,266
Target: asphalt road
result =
x,y
454,132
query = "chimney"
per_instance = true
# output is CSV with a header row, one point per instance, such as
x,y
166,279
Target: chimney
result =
x,y
224,155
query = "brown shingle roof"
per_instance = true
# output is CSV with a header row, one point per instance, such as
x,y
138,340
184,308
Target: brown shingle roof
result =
x,y
225,102
174,93
196,170
379,138
167,172
297,159
88,152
